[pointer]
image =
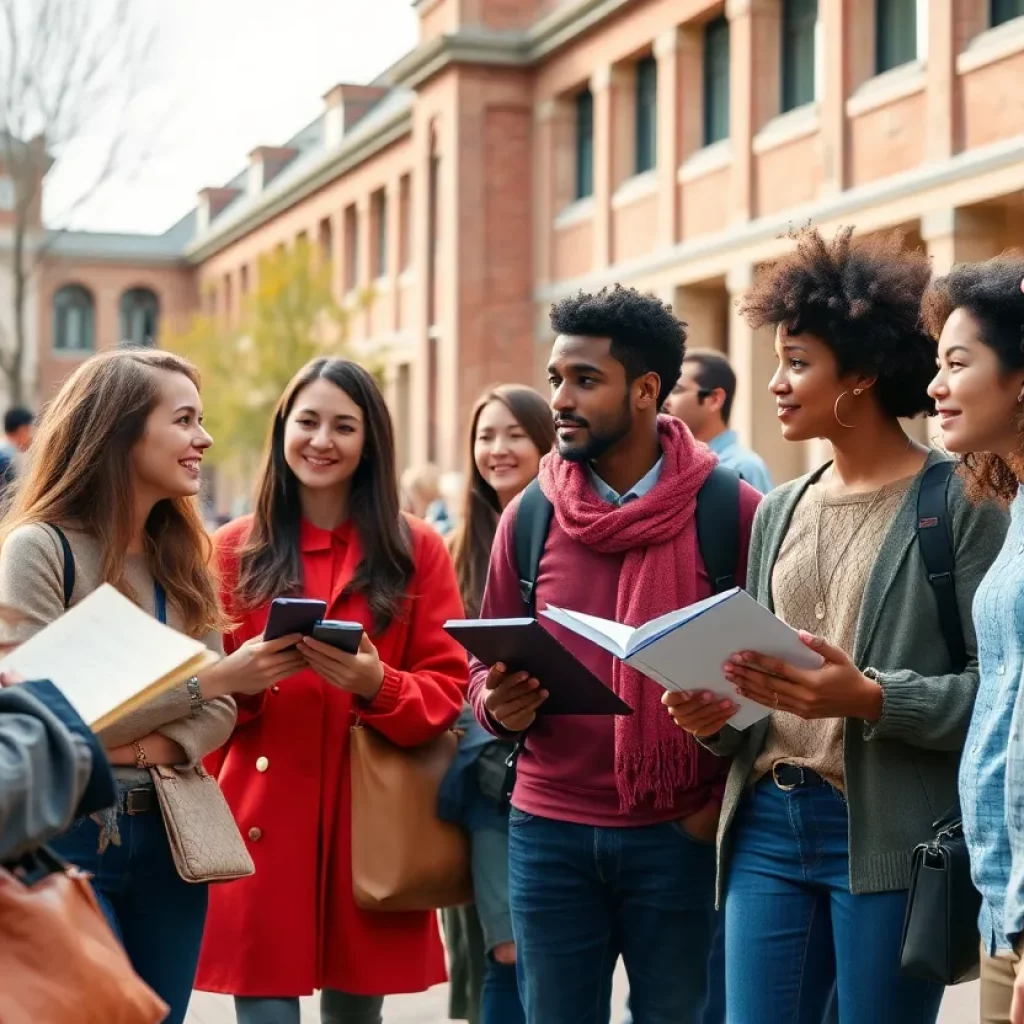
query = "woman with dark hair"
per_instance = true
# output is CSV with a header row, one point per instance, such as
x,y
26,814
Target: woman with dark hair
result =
x,y
977,313
828,796
510,429
327,525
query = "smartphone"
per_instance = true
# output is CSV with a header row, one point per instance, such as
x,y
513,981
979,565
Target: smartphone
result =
x,y
345,636
293,615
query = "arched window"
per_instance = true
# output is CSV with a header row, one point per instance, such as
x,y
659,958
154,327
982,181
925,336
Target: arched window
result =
x,y
73,319
140,317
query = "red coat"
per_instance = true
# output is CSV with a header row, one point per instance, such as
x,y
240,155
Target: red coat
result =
x,y
293,926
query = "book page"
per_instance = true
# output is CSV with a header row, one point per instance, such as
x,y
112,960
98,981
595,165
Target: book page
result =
x,y
666,623
612,636
103,653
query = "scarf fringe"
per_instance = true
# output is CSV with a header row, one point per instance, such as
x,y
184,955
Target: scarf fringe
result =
x,y
658,770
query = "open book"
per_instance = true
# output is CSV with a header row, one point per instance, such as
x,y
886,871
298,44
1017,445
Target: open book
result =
x,y
686,649
108,657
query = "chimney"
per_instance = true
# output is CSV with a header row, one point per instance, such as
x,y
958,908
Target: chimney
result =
x,y
211,202
266,163
345,105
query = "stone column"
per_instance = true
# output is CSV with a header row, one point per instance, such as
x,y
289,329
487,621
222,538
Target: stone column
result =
x,y
607,85
394,255
668,50
835,20
752,355
941,129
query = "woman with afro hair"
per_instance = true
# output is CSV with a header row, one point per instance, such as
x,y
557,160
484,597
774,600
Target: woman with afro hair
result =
x,y
977,313
828,796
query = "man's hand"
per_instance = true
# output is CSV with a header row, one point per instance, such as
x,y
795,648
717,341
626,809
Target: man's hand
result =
x,y
1017,1009
703,824
512,700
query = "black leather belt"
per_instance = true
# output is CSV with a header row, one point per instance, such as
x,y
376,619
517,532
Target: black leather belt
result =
x,y
793,776
140,801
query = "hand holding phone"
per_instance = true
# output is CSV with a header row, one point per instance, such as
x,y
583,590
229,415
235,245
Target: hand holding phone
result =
x,y
293,615
342,636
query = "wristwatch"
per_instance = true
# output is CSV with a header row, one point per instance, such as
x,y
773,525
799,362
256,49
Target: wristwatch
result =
x,y
195,694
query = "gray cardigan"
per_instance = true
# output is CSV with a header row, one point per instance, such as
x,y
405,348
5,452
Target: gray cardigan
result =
x,y
901,772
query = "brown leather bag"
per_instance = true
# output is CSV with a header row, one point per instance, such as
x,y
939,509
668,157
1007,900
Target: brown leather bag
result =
x,y
59,960
205,841
403,856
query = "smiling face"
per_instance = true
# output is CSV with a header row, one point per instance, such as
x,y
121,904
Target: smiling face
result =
x,y
166,460
324,436
505,456
590,397
807,386
976,399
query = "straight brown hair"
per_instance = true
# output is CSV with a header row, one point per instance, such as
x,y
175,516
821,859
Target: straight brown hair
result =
x,y
472,541
271,562
79,472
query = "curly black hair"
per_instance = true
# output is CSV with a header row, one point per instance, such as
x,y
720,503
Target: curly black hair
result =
x,y
646,336
991,293
862,298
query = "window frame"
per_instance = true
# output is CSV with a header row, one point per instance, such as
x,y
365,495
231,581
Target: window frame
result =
x,y
887,57
997,18
380,224
716,43
60,306
645,135
796,28
583,176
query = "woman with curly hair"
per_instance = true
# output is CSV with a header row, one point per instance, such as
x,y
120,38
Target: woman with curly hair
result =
x,y
828,796
977,313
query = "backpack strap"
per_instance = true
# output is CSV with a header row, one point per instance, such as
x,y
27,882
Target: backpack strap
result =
x,y
69,564
530,533
718,527
935,541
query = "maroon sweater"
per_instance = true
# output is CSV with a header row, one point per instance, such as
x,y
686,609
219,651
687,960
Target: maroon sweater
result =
x,y
567,767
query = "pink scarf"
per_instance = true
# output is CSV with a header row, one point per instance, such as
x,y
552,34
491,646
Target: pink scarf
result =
x,y
659,537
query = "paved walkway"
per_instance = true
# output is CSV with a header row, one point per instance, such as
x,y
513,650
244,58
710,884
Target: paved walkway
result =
x,y
960,1007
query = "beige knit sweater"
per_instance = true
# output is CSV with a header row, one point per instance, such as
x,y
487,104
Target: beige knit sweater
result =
x,y
32,582
852,529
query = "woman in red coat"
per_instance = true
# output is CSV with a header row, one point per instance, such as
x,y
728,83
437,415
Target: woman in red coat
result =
x,y
327,525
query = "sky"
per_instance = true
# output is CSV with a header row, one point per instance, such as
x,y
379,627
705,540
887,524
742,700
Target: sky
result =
x,y
219,78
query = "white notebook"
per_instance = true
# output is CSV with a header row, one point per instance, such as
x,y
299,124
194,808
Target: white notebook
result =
x,y
108,657
686,649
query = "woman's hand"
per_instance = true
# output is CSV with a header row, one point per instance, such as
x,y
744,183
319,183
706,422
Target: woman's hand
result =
x,y
700,714
256,666
836,690
361,673
10,679
1017,1008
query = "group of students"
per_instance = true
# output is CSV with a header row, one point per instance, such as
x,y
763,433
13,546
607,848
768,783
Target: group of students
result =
x,y
623,834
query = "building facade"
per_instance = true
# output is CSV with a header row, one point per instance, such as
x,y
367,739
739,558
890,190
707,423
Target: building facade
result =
x,y
526,149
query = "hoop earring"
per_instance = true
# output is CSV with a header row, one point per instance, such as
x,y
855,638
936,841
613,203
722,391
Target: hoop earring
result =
x,y
835,411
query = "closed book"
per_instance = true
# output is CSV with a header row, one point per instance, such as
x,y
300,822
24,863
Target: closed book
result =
x,y
524,645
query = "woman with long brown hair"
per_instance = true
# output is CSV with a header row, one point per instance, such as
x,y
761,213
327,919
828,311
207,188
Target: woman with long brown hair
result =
x,y
114,475
510,429
327,525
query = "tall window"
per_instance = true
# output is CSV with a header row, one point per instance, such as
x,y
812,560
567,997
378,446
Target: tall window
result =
x,y
380,224
140,317
1006,10
895,33
73,319
351,247
799,21
646,114
433,235
405,221
584,144
716,81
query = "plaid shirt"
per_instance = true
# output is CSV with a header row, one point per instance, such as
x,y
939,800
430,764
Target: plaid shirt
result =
x,y
992,768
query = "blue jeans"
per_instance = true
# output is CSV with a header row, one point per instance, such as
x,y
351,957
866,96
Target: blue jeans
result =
x,y
499,997
794,932
583,896
158,917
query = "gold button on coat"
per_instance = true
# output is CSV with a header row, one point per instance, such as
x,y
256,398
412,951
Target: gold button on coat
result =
x,y
262,764
255,834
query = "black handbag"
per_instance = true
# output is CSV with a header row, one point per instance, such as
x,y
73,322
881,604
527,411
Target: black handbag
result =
x,y
940,932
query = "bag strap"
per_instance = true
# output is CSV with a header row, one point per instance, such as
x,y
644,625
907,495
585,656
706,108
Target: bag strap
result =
x,y
935,541
718,527
69,564
530,533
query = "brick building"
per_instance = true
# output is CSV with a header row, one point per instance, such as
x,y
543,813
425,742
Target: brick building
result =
x,y
528,148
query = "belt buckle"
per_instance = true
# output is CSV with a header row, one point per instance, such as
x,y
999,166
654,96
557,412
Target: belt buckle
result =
x,y
138,801
787,787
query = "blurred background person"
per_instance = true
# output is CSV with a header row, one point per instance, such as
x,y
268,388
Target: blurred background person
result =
x,y
421,496
702,399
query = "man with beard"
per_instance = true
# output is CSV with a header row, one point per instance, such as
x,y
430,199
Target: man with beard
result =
x,y
613,821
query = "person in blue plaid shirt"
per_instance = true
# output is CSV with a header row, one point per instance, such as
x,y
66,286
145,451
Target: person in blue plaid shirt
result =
x,y
978,313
